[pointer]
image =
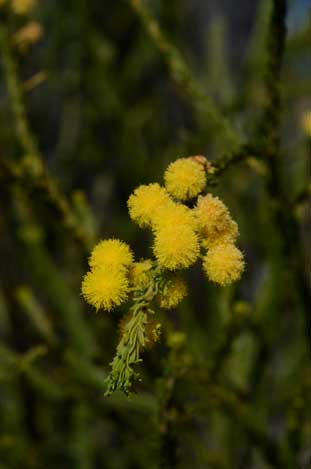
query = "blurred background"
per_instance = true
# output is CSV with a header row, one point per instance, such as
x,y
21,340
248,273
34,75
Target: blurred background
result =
x,y
95,99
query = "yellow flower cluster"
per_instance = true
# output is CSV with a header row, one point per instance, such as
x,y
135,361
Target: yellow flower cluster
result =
x,y
223,262
181,235
178,233
178,230
106,285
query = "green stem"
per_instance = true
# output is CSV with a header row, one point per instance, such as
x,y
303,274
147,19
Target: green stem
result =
x,y
31,164
181,73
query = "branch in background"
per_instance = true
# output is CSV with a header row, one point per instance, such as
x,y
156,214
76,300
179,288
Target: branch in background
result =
x,y
275,454
13,364
36,313
31,165
206,110
221,164
177,363
45,276
269,134
36,80
239,321
303,196
270,124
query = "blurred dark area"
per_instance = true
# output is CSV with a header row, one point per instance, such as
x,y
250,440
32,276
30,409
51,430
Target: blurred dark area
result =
x,y
93,103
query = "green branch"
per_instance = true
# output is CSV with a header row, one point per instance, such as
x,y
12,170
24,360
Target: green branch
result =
x,y
181,73
31,165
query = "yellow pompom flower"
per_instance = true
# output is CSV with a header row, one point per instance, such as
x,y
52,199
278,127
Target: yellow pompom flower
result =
x,y
178,214
21,7
111,253
105,287
176,246
139,273
306,123
212,214
185,178
174,292
145,202
223,264
214,221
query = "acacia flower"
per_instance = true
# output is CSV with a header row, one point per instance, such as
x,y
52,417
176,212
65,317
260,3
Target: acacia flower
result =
x,y
111,253
223,263
105,287
214,221
212,214
175,291
176,246
178,214
185,178
145,202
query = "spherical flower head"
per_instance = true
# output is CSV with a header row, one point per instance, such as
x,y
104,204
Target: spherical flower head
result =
x,y
105,287
174,292
140,272
145,202
176,246
306,123
176,214
111,253
212,214
223,264
228,234
185,178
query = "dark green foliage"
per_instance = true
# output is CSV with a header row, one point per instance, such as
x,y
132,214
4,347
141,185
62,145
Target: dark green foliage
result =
x,y
121,92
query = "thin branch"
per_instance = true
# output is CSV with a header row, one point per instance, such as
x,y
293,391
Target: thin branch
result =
x,y
182,75
31,165
269,136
